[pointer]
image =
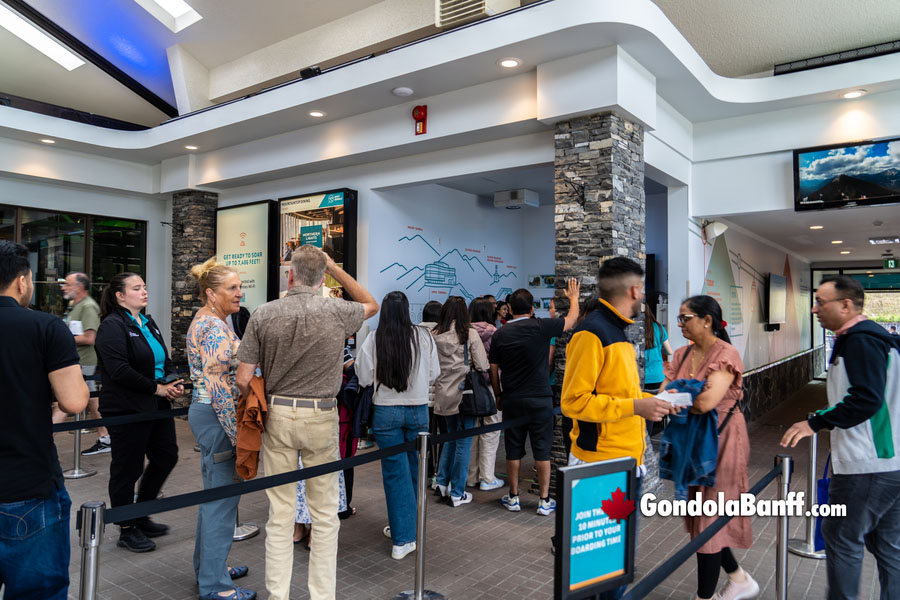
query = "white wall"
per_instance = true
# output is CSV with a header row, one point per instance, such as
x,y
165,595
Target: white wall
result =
x,y
421,225
735,269
71,198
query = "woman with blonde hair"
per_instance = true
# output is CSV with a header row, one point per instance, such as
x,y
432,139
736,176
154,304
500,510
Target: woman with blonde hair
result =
x,y
212,358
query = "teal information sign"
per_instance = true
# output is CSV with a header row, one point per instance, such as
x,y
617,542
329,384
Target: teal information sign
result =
x,y
595,539
311,235
595,524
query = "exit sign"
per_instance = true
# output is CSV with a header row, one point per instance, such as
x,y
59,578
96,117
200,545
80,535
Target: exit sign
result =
x,y
892,263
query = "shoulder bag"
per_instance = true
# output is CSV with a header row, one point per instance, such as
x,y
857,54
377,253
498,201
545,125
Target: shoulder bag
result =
x,y
477,395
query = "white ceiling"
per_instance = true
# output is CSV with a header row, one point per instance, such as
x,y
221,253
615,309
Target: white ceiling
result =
x,y
734,37
740,37
852,226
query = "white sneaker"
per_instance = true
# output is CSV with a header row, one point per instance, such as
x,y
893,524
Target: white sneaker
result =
x,y
487,486
739,591
398,552
387,531
464,499
546,507
511,503
441,491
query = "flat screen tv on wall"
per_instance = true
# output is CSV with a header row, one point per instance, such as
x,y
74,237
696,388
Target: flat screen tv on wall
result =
x,y
777,300
845,175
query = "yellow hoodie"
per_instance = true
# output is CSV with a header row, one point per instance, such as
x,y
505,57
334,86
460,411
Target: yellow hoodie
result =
x,y
600,384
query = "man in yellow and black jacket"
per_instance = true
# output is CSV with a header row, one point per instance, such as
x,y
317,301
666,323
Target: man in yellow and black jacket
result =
x,y
601,390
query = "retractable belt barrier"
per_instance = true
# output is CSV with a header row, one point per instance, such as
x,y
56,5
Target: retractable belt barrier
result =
x,y
150,507
659,574
121,419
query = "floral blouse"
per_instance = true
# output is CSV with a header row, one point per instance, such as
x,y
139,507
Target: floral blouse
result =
x,y
212,357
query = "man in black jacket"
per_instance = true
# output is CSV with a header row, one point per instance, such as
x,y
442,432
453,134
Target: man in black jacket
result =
x,y
37,362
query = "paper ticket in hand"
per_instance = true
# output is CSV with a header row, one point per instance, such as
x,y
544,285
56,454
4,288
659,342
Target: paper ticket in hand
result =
x,y
76,328
676,398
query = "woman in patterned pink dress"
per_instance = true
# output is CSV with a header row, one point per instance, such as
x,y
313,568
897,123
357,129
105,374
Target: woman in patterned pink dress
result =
x,y
712,358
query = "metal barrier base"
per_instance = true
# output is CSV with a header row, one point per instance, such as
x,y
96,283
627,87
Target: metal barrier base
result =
x,y
426,595
245,531
803,548
78,473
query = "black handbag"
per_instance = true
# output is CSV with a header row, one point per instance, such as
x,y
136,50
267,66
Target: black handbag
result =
x,y
477,395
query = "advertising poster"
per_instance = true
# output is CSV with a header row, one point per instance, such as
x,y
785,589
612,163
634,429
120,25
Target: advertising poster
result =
x,y
242,240
319,220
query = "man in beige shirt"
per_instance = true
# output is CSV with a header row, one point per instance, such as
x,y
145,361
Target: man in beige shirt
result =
x,y
298,341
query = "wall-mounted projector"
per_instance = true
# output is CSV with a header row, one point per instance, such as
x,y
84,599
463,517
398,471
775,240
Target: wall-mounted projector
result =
x,y
515,199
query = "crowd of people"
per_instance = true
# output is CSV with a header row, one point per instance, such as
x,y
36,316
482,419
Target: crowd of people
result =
x,y
292,352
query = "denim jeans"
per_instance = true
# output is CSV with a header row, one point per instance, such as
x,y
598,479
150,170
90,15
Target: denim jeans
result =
x,y
394,425
34,547
873,522
454,465
215,520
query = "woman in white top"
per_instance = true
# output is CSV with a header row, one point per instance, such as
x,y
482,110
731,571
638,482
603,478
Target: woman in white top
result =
x,y
401,361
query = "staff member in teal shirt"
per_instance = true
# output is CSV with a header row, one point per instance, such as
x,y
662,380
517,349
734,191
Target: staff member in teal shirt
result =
x,y
137,376
656,341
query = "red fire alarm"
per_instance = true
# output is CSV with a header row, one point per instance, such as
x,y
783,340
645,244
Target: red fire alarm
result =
x,y
420,115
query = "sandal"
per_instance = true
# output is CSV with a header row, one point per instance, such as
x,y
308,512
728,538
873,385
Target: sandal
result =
x,y
237,594
238,571
306,530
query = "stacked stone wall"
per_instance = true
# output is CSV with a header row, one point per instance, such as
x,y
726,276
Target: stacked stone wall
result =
x,y
193,242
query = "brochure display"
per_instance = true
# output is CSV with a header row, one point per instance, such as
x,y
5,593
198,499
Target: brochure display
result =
x,y
326,220
243,241
595,526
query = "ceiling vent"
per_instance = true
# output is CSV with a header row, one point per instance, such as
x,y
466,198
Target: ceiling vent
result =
x,y
450,13
515,199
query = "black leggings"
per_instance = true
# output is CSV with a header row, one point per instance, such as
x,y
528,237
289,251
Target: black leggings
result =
x,y
708,570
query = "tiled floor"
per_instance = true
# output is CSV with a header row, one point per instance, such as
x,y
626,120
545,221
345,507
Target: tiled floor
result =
x,y
475,551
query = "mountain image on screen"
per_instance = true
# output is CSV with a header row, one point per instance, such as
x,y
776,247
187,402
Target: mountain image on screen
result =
x,y
845,187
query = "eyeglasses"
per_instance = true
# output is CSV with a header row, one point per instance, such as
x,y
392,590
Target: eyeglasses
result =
x,y
821,303
682,319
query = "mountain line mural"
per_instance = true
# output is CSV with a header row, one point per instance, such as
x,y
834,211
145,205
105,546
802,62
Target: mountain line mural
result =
x,y
424,272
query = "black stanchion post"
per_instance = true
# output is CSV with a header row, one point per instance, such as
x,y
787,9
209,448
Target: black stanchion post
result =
x,y
243,531
807,548
77,472
420,593
90,525
781,531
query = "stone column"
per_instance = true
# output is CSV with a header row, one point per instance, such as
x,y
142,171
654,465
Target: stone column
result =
x,y
599,189
193,241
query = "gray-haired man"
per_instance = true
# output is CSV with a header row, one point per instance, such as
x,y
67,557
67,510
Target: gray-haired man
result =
x,y
298,341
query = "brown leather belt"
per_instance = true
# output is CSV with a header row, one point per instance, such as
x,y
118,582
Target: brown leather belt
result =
x,y
317,403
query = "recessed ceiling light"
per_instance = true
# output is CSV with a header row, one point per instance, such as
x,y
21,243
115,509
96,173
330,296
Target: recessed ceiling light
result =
x,y
174,14
837,241
815,226
402,91
37,39
190,147
509,63
318,114
868,271
845,252
854,94
48,141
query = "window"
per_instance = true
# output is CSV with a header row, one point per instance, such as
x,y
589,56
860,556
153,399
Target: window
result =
x,y
61,242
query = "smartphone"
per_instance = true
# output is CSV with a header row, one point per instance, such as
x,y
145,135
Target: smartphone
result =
x,y
168,379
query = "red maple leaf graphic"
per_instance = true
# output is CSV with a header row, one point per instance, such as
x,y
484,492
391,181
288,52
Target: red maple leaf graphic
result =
x,y
618,507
